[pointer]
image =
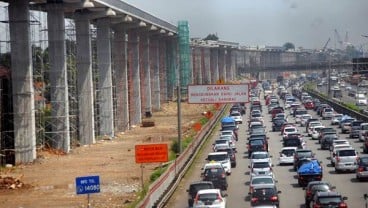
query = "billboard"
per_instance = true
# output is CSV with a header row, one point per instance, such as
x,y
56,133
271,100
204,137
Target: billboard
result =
x,y
231,93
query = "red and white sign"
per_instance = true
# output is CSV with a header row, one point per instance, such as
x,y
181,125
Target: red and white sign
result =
x,y
203,94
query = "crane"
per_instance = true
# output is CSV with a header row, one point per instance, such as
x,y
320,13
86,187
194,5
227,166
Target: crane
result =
x,y
324,47
338,37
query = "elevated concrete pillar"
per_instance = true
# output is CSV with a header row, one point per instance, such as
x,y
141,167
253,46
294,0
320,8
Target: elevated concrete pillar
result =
x,y
105,102
214,66
134,76
22,82
86,121
171,68
155,72
58,77
146,96
163,70
228,65
206,65
197,65
233,64
120,55
221,64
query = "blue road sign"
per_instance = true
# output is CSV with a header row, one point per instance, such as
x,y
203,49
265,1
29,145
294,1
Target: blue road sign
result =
x,y
87,184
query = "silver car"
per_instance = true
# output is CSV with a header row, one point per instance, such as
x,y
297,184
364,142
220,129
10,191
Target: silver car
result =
x,y
346,160
362,170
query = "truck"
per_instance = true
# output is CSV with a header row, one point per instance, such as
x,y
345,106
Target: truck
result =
x,y
310,171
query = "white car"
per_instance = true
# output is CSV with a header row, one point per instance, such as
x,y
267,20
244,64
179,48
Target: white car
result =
x,y
315,131
287,155
304,118
221,157
336,118
338,141
210,198
260,156
256,181
289,130
237,117
336,148
311,125
261,168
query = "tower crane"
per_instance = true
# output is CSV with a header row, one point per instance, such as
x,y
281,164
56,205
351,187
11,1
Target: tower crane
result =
x,y
325,46
338,37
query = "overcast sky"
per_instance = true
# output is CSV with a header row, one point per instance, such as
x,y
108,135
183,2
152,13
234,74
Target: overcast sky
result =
x,y
306,23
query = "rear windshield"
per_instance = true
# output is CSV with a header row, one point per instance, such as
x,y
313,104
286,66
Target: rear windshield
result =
x,y
262,181
259,156
195,188
346,153
261,165
256,142
217,157
292,142
288,152
305,154
364,160
330,200
301,112
328,110
263,192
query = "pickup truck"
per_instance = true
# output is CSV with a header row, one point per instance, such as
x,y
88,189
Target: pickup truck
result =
x,y
310,171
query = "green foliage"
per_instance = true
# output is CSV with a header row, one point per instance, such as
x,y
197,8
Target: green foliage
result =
x,y
211,37
203,121
351,106
288,46
157,173
175,146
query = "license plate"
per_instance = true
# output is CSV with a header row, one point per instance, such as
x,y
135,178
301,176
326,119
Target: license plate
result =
x,y
261,172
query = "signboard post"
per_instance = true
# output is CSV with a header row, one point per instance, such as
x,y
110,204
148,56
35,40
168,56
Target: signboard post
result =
x,y
87,185
150,153
220,93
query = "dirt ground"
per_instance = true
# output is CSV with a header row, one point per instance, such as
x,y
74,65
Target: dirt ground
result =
x,y
50,180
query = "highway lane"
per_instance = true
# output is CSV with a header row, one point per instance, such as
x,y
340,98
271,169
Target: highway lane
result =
x,y
292,195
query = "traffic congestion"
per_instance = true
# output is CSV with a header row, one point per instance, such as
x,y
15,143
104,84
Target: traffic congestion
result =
x,y
296,152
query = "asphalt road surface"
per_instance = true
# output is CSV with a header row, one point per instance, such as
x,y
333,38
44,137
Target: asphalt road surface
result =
x,y
292,195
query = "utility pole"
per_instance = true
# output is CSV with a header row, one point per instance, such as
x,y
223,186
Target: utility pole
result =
x,y
179,116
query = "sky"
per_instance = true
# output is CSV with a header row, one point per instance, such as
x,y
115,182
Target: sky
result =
x,y
305,23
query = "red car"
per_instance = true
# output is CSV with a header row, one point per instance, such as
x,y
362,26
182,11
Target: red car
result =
x,y
309,105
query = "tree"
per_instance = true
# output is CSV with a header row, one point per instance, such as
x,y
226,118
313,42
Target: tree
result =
x,y
289,45
211,37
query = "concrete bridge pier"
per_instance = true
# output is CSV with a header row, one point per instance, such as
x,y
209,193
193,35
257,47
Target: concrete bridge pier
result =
x,y
155,72
222,64
206,65
214,66
134,77
86,121
146,74
105,99
228,65
171,73
197,65
233,72
22,82
58,77
120,60
163,70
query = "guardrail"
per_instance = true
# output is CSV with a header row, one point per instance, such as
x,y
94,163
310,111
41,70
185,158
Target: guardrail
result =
x,y
160,191
337,106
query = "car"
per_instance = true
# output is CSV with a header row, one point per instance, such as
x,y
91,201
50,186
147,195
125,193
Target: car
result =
x,y
289,130
309,105
228,132
313,187
231,153
217,175
212,164
335,148
287,155
220,143
221,157
262,167
277,124
311,125
355,129
298,115
236,115
329,199
336,118
304,119
260,180
230,139
255,145
316,131
327,141
324,131
260,156
196,186
265,195
362,168
363,131
327,113
207,198
302,153
309,170
346,160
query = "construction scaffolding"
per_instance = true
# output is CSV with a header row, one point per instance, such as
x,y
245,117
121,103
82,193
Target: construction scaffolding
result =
x,y
184,55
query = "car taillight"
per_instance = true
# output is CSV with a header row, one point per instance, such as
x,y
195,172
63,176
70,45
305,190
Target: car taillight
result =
x,y
273,198
337,159
309,193
316,206
360,169
251,189
343,205
223,175
254,200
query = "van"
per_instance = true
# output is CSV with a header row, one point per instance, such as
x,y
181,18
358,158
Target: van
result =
x,y
346,160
